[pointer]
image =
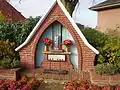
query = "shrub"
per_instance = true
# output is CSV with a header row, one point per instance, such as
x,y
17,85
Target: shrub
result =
x,y
111,49
6,63
17,31
106,68
9,63
95,38
6,49
8,57
108,46
15,63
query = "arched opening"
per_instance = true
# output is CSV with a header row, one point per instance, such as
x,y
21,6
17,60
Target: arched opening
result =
x,y
57,33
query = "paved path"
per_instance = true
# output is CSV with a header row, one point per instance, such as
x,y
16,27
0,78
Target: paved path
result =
x,y
50,86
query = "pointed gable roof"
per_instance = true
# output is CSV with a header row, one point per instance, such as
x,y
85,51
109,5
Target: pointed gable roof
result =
x,y
69,18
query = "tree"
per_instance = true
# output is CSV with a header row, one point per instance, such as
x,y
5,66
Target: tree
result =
x,y
70,5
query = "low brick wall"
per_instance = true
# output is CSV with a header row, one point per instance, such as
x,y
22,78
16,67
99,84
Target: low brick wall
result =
x,y
104,79
10,74
76,75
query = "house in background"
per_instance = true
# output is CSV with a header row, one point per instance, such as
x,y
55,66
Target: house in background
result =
x,y
9,13
108,15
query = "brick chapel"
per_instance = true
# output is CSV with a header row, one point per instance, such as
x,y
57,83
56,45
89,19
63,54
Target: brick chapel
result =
x,y
56,43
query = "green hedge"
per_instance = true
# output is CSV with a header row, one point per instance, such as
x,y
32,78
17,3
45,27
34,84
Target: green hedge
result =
x,y
17,31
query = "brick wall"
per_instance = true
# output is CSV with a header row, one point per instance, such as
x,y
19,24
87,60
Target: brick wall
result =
x,y
10,74
104,79
85,55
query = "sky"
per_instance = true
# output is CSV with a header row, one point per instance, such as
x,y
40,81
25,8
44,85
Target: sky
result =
x,y
35,8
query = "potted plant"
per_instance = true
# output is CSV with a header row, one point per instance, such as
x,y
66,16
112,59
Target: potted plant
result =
x,y
47,42
67,43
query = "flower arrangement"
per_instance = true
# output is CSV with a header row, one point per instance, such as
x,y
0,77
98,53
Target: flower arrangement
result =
x,y
67,42
47,41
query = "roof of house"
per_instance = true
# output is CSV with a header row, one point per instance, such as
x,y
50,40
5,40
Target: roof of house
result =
x,y
69,18
10,12
108,4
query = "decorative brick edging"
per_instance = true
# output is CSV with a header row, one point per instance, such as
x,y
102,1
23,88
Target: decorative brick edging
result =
x,y
10,74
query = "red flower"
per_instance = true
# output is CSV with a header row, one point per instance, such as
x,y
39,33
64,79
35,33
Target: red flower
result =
x,y
67,42
47,41
117,88
106,88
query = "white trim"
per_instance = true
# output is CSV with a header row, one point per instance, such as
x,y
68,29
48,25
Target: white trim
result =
x,y
70,19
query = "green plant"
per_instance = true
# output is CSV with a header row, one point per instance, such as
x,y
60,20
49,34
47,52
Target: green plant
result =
x,y
15,63
108,46
110,51
106,68
17,31
12,34
94,37
6,63
10,63
8,57
6,49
